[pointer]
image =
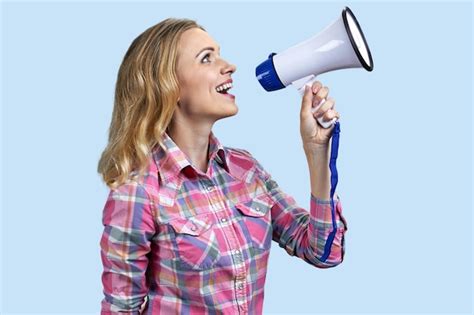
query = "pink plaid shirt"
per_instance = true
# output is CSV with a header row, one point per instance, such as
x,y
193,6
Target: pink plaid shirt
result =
x,y
180,241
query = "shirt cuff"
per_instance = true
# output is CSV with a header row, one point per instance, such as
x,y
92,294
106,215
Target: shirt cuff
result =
x,y
324,201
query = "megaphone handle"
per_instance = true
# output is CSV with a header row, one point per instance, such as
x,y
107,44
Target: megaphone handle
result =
x,y
300,84
324,124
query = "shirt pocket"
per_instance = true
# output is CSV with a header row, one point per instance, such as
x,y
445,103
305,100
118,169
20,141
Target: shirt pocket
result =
x,y
195,242
256,220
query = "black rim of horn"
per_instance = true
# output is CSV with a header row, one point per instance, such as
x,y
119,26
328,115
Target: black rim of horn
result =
x,y
354,45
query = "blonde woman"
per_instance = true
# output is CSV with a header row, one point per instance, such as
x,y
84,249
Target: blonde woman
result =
x,y
188,222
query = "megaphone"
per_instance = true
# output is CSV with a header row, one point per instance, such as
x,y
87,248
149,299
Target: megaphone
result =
x,y
340,45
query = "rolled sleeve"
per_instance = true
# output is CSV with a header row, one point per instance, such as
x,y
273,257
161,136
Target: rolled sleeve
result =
x,y
323,224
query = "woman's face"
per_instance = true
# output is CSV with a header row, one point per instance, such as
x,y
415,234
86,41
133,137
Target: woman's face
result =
x,y
200,70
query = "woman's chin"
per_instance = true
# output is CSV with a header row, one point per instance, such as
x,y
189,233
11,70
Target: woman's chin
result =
x,y
233,111
228,109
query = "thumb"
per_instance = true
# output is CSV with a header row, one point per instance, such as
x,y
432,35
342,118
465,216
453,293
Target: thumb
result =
x,y
307,100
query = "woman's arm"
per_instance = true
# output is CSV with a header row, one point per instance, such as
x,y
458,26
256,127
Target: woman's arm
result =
x,y
319,172
316,139
304,233
128,228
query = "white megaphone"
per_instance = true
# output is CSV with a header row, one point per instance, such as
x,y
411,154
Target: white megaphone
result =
x,y
340,45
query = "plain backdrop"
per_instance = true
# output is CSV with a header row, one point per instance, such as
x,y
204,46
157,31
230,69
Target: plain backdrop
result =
x,y
405,154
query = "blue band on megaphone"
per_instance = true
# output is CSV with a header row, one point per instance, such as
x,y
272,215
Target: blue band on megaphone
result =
x,y
267,76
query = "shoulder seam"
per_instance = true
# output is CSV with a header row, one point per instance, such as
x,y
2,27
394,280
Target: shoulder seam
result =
x,y
151,200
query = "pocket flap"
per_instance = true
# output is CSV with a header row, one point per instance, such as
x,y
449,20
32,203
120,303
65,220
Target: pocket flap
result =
x,y
195,225
257,206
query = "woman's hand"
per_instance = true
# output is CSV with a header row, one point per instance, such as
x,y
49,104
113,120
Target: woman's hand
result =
x,y
313,135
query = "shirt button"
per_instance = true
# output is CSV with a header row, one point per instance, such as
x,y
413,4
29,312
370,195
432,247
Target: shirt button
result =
x,y
241,286
257,208
223,219
237,252
210,187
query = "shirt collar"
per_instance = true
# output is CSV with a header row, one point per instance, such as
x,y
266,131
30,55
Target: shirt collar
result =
x,y
172,160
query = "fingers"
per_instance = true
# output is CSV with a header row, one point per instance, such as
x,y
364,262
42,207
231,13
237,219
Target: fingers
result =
x,y
312,99
321,93
326,109
330,114
329,104
316,86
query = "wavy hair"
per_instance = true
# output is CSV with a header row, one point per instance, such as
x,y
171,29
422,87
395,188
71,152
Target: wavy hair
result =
x,y
146,93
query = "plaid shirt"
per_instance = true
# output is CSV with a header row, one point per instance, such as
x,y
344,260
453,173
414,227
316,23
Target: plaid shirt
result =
x,y
180,241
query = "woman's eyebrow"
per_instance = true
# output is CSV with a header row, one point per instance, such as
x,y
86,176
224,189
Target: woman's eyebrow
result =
x,y
208,48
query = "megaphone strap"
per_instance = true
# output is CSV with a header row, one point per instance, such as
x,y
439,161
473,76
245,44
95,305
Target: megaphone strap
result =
x,y
332,167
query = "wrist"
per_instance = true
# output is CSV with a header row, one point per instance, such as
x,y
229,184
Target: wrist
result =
x,y
316,149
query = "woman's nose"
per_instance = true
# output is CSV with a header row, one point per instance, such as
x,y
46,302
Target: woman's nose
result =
x,y
228,67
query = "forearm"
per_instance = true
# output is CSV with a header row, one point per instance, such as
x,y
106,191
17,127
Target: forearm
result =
x,y
320,174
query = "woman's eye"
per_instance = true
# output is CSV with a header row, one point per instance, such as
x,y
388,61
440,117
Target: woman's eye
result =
x,y
206,57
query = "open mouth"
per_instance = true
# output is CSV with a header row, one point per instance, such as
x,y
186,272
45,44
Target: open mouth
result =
x,y
224,88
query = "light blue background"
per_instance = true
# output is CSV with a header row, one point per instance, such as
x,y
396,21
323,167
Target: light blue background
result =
x,y
405,170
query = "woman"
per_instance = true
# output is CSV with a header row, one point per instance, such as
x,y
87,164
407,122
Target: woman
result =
x,y
188,222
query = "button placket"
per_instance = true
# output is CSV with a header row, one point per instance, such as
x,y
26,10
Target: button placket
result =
x,y
240,289
237,254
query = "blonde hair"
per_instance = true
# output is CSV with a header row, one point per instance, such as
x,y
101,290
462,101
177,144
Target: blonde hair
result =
x,y
146,94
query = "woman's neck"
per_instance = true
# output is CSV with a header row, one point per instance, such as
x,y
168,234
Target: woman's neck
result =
x,y
193,141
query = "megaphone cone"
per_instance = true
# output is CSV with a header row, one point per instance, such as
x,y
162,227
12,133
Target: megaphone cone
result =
x,y
340,45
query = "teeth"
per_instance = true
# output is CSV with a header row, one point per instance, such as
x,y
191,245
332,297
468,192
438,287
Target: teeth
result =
x,y
224,87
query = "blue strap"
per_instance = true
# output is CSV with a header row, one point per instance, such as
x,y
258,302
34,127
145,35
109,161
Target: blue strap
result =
x,y
332,167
